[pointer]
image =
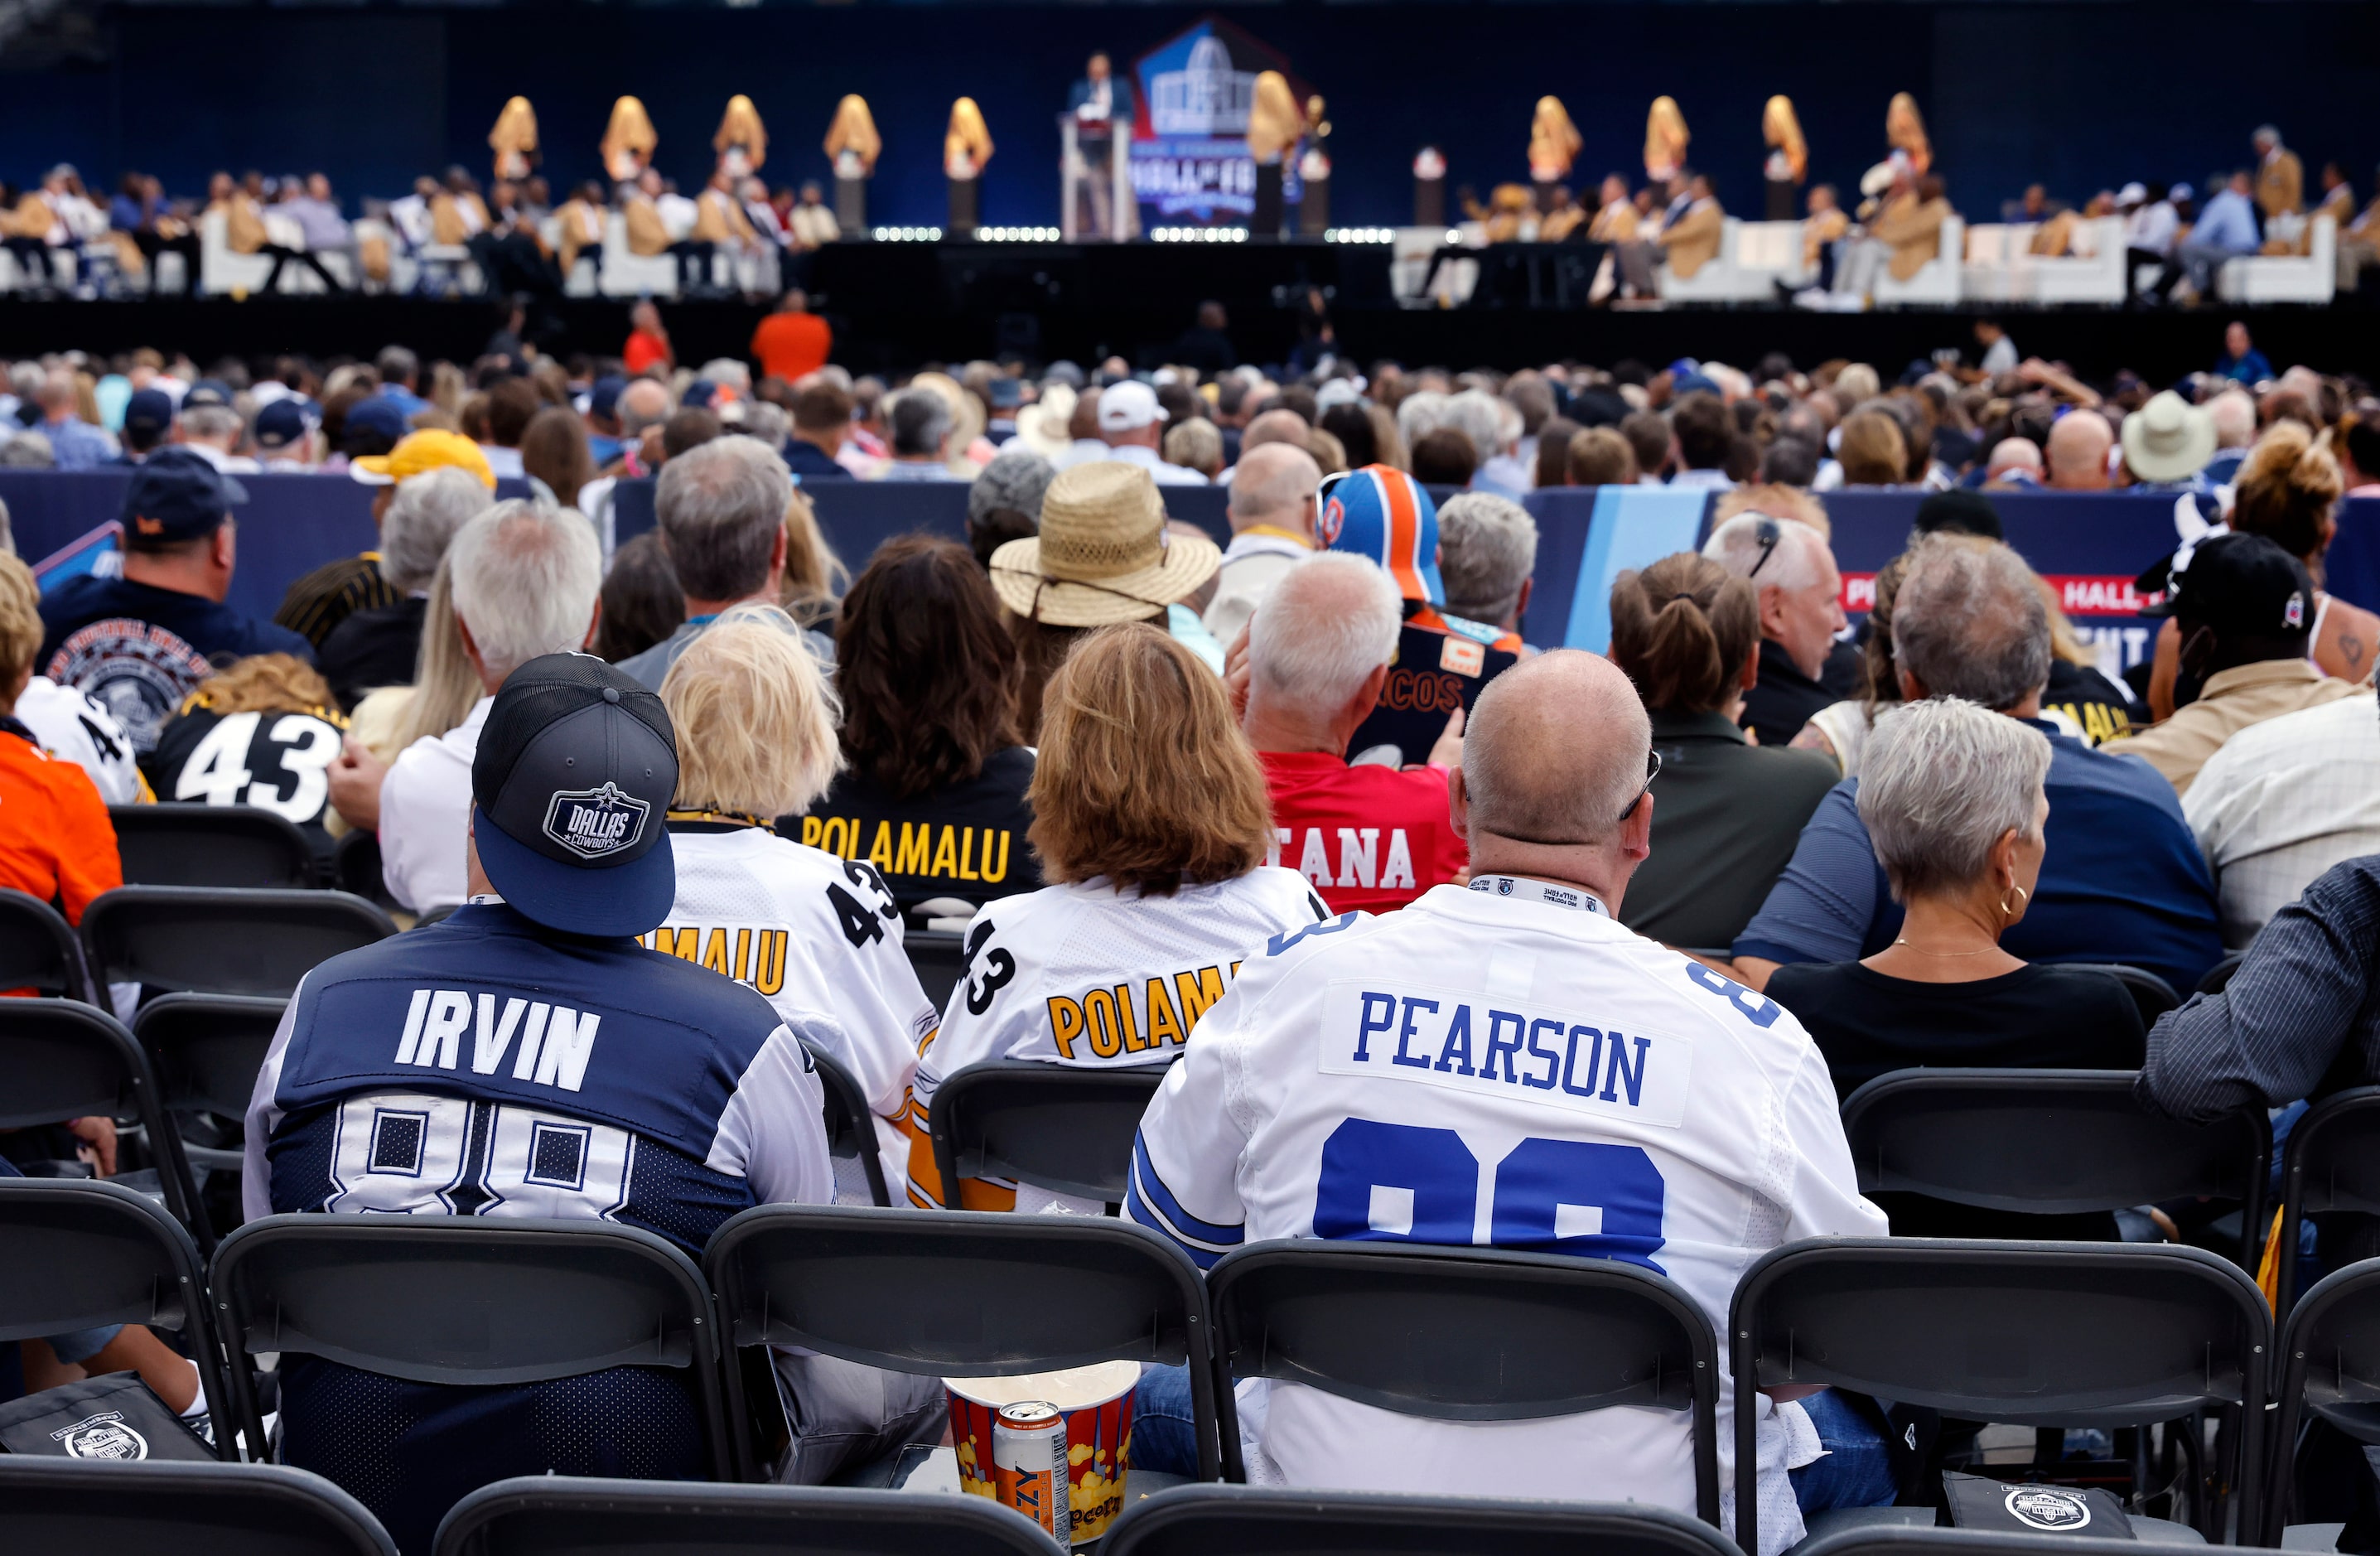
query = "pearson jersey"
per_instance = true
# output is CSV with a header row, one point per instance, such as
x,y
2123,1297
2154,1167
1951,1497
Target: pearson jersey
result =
x,y
821,939
1086,975
1507,1067
72,724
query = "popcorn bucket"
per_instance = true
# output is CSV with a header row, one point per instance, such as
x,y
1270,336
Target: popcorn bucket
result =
x,y
1096,1405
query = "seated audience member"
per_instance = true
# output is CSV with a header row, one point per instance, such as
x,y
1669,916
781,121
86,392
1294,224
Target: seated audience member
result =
x,y
524,581
2122,881
1840,730
56,844
1445,457
1872,451
1726,813
2282,802
2243,605
1600,456
554,455
737,1123
1249,1139
1487,549
1273,507
1134,425
445,689
918,424
2079,442
1195,445
821,421
1385,516
261,731
377,645
64,721
1148,813
818,935
1004,501
139,643
642,603
1552,464
931,790
1800,594
329,595
814,576
1704,430
2014,462
1319,652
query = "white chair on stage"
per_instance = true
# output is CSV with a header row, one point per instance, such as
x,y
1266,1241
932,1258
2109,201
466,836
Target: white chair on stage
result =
x,y
1753,257
1935,285
2092,271
1987,275
627,274
222,272
2308,278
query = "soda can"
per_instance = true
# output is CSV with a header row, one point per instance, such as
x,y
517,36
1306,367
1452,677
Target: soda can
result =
x,y
1028,1465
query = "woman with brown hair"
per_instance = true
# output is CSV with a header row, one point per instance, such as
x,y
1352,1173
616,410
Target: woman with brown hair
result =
x,y
1727,812
553,451
933,789
1873,451
814,574
1151,823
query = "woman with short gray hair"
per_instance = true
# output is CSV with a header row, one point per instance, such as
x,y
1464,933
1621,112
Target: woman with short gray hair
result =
x,y
1952,797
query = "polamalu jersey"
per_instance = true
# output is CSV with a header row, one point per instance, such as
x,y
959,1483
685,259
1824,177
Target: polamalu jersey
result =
x,y
486,1067
72,724
1087,975
1514,1071
821,939
277,762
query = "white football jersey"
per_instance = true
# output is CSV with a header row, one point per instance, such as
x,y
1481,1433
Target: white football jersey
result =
x,y
1087,975
71,724
821,938
1483,1068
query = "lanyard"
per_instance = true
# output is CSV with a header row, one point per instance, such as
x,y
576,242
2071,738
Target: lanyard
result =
x,y
1539,891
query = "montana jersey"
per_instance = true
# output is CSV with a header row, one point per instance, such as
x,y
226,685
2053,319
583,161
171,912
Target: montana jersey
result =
x,y
275,760
1089,976
1516,1071
69,723
821,938
485,1067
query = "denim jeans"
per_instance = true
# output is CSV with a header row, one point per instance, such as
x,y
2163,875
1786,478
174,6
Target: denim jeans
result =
x,y
1163,1437
1857,1469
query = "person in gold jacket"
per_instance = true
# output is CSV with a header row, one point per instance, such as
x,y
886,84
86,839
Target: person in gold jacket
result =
x,y
581,220
1821,229
2281,176
1691,240
648,235
1905,236
1615,214
458,215
243,216
719,218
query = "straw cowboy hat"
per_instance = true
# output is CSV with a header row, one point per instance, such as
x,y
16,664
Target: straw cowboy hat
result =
x,y
2169,439
1041,426
1103,554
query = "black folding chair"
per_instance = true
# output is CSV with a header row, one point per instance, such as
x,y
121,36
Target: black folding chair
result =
x,y
556,1515
2217,977
959,1293
1251,1521
1061,1128
1891,1539
206,1051
38,950
61,1058
355,868
224,941
850,1126
191,845
2038,1334
2051,1142
1465,1334
2332,1164
2329,1369
77,1253
2152,995
162,1508
939,958
457,1300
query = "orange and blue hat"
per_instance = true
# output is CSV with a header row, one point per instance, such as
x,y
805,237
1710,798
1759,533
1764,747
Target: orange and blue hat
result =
x,y
1382,513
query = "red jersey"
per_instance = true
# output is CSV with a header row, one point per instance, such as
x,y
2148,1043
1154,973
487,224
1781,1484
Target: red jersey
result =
x,y
645,352
1368,837
56,840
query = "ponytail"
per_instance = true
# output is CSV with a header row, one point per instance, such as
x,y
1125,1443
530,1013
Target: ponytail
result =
x,y
1681,629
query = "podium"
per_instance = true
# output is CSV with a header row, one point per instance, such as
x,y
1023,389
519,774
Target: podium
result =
x,y
1113,209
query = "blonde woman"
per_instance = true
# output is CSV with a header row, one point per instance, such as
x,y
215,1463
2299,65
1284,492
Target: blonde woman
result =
x,y
820,936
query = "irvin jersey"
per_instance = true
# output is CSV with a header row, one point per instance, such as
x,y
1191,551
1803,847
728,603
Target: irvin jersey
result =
x,y
1086,975
1481,1069
821,939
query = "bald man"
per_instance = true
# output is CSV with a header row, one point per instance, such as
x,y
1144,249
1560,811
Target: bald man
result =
x,y
1273,513
2014,462
1509,1058
2079,442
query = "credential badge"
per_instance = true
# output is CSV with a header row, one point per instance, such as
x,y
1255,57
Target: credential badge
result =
x,y
596,823
104,1436
2051,1509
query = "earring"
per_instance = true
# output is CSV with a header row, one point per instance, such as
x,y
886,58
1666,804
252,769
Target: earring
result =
x,y
2022,897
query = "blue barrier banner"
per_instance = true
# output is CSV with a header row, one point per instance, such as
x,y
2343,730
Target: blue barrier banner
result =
x,y
2351,571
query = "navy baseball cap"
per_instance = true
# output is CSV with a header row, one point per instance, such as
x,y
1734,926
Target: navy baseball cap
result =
x,y
207,392
2242,586
149,410
378,414
175,495
282,423
603,396
573,779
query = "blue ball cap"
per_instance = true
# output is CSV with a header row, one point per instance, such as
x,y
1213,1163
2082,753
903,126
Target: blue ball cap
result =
x,y
282,423
603,395
175,495
378,414
1382,513
150,410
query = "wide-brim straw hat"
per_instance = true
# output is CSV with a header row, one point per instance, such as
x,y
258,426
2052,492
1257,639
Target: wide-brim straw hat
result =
x,y
2169,439
1041,426
1103,555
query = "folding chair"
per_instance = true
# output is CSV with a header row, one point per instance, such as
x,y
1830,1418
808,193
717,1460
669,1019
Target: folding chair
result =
x,y
2217,977
1250,1521
959,1293
2329,1368
2051,1142
555,1516
161,1508
61,1058
850,1126
39,952
1465,1334
220,941
2152,995
1893,1539
939,958
206,1051
192,844
77,1253
1064,1129
2332,1162
355,868
2039,1335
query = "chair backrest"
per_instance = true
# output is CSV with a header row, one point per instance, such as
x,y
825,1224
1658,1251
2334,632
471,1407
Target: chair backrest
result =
x,y
1467,1335
191,845
1251,1521
2332,1164
163,1508
850,1126
207,1048
1910,1539
2041,1334
2152,995
355,869
78,1254
2217,977
38,950
2329,1367
61,1058
554,1515
1062,1128
460,1300
222,941
961,1294
939,957
2050,1142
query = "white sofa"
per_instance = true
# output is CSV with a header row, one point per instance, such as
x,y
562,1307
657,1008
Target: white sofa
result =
x,y
2001,267
627,274
220,272
1935,285
1753,257
2308,278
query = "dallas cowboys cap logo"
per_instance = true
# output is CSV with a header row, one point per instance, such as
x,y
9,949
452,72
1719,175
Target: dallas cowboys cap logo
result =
x,y
596,823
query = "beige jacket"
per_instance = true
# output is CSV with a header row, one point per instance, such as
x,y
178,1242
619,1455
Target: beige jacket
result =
x,y
2232,700
1691,241
1914,230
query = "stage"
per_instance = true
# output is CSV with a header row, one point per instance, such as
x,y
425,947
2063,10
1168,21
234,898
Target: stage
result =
x,y
897,305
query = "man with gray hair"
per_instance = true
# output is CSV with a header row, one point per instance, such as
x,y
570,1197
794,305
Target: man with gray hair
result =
x,y
525,575
1321,648
379,645
75,445
2123,879
1004,503
917,423
1801,611
1487,549
1272,511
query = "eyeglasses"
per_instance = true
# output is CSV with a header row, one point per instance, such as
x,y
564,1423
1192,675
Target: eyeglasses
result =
x,y
1768,534
1652,771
